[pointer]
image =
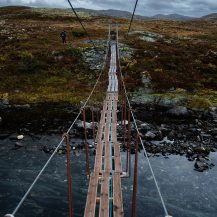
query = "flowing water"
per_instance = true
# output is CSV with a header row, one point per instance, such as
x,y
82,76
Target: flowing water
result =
x,y
185,191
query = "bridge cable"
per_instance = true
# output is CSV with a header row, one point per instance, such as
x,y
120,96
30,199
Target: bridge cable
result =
x,y
62,140
79,20
140,139
134,10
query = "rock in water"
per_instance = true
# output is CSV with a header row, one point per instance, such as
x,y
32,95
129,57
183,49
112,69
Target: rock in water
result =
x,y
90,146
20,137
18,144
202,164
80,124
150,135
145,126
178,111
211,113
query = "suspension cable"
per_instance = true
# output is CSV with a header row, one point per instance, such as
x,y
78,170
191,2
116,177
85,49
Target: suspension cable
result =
x,y
79,20
144,149
62,140
134,10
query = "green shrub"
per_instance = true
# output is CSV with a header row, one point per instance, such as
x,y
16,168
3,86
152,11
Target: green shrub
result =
x,y
199,103
25,55
78,33
3,58
73,50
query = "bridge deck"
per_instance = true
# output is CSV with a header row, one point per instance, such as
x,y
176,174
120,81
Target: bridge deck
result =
x,y
105,181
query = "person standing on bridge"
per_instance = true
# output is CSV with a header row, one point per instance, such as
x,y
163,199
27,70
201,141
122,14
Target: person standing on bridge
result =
x,y
63,36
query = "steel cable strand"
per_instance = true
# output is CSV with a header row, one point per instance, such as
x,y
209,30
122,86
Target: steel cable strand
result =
x,y
79,20
145,152
134,10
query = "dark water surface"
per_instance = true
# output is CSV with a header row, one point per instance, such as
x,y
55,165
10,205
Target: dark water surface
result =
x,y
186,192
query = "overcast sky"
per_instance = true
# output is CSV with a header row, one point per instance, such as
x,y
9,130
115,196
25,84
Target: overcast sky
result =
x,y
145,7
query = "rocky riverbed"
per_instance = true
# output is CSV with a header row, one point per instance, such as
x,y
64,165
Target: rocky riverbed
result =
x,y
165,131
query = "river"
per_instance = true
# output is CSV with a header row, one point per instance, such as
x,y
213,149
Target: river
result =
x,y
186,192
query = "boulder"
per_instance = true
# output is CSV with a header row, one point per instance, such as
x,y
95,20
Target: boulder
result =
x,y
145,126
20,137
172,134
19,145
150,135
202,164
80,124
165,129
25,106
178,111
211,113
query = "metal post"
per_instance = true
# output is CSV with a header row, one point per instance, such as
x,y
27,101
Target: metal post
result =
x,y
122,111
125,116
97,116
133,211
128,143
93,125
68,149
86,145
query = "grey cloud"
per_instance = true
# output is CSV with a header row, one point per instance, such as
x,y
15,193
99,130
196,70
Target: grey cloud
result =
x,y
145,7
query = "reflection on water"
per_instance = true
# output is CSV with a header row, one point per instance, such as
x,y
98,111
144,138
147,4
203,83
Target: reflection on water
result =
x,y
186,192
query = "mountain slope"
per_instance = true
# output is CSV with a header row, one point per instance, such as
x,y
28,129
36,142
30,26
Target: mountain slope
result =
x,y
176,17
112,13
210,17
14,10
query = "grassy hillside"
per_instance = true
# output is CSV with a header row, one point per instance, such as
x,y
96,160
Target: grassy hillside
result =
x,y
36,67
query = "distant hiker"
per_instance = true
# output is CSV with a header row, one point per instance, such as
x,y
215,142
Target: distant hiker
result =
x,y
63,36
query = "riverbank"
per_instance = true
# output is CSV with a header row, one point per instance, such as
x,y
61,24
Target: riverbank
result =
x,y
164,130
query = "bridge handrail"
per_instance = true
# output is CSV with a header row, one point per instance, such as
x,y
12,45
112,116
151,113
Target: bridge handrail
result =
x,y
140,139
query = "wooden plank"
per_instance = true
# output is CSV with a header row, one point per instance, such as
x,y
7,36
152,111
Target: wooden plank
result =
x,y
91,196
104,196
117,196
117,158
99,148
107,149
98,158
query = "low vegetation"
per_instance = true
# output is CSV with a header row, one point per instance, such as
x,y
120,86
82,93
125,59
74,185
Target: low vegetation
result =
x,y
36,67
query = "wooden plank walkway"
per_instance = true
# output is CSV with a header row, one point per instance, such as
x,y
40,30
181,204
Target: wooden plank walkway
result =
x,y
105,180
